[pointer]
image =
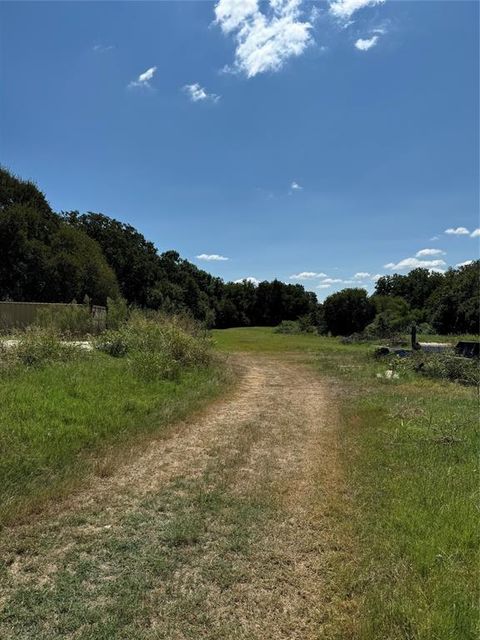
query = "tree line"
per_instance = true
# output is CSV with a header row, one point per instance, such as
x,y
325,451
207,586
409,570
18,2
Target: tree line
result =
x,y
59,257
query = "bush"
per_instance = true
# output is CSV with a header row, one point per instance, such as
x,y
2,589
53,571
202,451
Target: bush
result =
x,y
446,366
113,342
72,320
157,346
354,338
384,326
288,327
38,346
117,312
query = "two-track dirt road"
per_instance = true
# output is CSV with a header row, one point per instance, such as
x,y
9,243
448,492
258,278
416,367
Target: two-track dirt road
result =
x,y
225,528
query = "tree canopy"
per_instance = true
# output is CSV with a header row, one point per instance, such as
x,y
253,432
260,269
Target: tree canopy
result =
x,y
348,311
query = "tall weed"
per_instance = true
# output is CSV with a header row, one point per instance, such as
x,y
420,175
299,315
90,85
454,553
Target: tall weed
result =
x,y
157,346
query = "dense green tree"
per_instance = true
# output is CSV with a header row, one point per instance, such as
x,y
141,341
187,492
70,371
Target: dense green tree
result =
x,y
348,311
276,301
454,307
133,259
42,258
15,191
79,268
415,287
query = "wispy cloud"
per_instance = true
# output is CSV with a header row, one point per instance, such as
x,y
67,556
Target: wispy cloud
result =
x,y
211,257
295,186
344,9
102,48
331,281
267,34
457,231
324,285
250,279
414,263
364,45
143,79
433,238
464,264
429,252
308,275
198,94
361,275
475,233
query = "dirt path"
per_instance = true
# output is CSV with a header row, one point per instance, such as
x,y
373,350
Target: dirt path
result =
x,y
228,528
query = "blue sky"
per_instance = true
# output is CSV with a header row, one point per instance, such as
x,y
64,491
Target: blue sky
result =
x,y
293,138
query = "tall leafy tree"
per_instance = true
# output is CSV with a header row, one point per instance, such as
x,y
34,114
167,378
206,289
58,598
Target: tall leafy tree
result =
x,y
348,311
454,307
42,258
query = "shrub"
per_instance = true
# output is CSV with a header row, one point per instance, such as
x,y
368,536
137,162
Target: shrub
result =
x,y
157,346
117,312
354,338
305,324
112,342
446,366
288,327
39,346
71,320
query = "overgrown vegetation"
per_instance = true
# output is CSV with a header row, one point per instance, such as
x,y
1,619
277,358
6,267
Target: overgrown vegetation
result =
x,y
446,366
63,404
157,347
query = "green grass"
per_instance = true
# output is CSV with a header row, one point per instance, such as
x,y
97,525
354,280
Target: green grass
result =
x,y
115,583
265,340
410,450
57,422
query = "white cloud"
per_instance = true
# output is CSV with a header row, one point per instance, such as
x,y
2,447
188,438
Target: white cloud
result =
x,y
464,264
323,286
197,93
429,252
331,280
232,14
251,279
102,48
211,257
307,275
361,275
364,45
414,263
295,186
265,38
344,9
433,238
475,233
143,79
377,276
457,231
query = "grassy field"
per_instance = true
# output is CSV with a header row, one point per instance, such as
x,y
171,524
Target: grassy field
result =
x,y
320,498
61,421
410,446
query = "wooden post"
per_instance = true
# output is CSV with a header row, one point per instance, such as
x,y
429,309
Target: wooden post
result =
x,y
415,345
